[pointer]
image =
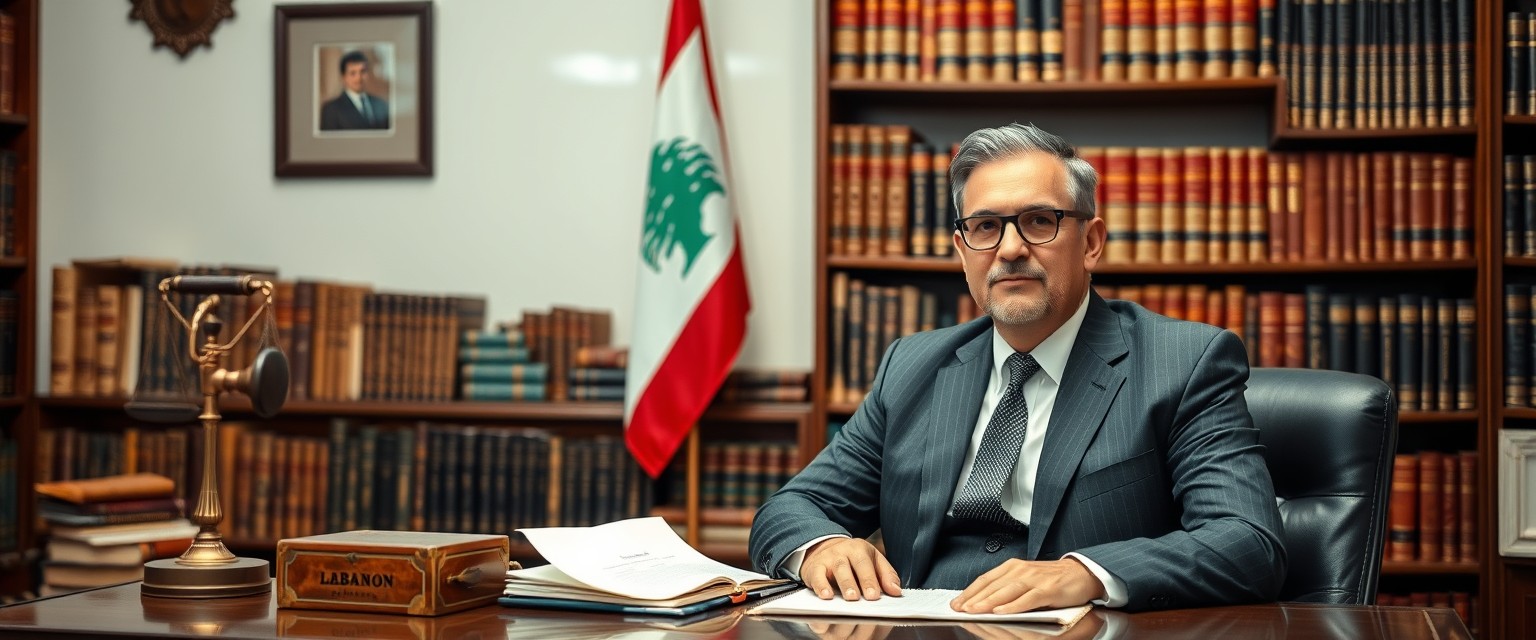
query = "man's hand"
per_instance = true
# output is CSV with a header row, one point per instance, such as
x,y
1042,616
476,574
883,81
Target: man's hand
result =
x,y
850,566
1020,585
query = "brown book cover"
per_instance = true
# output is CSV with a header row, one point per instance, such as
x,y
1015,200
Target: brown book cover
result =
x,y
1072,40
1365,232
1218,39
928,42
1430,519
858,169
1332,202
85,341
1295,173
1171,217
1271,336
61,355
1118,211
951,41
1439,206
1349,208
897,194
1165,29
875,175
1314,217
1461,208
891,36
837,223
912,41
846,40
1294,306
1382,202
1467,481
920,235
1403,509
870,32
1401,206
1219,195
1450,508
1420,206
1216,310
1139,40
1114,55
1197,203
137,486
943,205
1275,209
978,40
1148,204
1238,239
1244,40
1003,59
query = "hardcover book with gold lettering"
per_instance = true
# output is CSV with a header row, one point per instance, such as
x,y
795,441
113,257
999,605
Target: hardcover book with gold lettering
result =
x,y
409,572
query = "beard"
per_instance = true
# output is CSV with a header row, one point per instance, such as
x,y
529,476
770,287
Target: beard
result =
x,y
1017,310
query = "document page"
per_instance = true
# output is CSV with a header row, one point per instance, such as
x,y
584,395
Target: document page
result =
x,y
640,558
924,604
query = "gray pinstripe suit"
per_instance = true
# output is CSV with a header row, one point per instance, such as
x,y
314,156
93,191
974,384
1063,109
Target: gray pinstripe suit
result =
x,y
1151,466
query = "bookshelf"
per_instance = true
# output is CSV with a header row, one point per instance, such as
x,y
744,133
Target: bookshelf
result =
x,y
18,136
940,112
1508,134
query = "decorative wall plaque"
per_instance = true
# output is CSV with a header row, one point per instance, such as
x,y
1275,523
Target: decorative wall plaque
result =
x,y
181,24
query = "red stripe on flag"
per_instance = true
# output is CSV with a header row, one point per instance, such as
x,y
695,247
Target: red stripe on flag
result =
x,y
692,371
686,16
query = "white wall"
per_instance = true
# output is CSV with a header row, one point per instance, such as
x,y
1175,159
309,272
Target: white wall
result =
x,y
543,134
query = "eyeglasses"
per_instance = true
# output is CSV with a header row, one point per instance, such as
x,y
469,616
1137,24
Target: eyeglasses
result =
x,y
985,232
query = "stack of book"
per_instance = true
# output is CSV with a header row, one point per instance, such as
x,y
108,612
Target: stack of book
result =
x,y
104,529
497,366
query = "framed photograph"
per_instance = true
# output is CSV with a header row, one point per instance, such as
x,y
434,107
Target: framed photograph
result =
x,y
354,89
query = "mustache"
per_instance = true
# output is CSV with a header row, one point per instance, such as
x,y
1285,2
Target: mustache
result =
x,y
1015,269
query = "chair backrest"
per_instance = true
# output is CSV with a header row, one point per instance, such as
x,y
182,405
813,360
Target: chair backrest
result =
x,y
1329,438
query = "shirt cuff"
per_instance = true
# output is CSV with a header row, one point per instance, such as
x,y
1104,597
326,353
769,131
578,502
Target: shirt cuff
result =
x,y
1113,587
795,558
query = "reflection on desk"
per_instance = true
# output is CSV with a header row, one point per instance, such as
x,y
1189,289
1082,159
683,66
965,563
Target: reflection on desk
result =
x,y
120,611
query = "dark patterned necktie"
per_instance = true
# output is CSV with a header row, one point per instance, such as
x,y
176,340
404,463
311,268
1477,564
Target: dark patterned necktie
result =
x,y
981,497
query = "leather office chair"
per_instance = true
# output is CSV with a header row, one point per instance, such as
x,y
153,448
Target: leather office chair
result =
x,y
1329,438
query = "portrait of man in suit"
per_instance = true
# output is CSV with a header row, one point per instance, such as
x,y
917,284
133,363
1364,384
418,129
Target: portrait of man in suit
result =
x,y
1058,450
355,108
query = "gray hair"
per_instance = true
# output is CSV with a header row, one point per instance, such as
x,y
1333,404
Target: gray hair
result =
x,y
987,145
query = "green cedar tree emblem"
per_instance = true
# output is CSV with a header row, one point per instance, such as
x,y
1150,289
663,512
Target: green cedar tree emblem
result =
x,y
682,177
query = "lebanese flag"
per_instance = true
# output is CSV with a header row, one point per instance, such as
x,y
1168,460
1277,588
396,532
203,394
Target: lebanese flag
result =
x,y
691,292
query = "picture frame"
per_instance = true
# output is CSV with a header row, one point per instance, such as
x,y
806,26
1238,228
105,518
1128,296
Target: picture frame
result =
x,y
1517,492
353,89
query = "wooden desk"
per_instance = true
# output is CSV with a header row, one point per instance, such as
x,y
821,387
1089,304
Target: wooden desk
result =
x,y
120,611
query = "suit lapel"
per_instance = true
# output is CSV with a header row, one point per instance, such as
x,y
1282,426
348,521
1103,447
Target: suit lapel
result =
x,y
1088,387
956,401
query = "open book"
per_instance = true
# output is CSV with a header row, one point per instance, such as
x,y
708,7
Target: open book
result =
x,y
631,566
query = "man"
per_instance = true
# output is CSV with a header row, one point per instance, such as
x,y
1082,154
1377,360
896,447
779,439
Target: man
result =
x,y
1060,450
354,108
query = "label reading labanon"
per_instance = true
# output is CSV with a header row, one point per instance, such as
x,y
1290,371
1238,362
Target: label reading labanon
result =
x,y
351,577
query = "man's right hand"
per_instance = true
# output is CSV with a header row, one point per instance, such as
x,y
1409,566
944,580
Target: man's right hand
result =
x,y
851,567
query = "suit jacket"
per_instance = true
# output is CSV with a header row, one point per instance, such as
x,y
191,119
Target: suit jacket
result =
x,y
1151,465
339,114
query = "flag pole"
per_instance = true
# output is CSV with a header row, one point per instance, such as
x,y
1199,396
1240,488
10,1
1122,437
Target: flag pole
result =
x,y
694,535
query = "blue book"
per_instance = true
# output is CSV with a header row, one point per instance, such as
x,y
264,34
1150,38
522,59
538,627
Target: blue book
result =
x,y
567,604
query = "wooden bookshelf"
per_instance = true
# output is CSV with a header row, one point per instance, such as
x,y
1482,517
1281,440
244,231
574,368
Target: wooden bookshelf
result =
x,y
18,272
940,110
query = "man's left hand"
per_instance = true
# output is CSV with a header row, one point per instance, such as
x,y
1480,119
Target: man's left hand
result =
x,y
1020,585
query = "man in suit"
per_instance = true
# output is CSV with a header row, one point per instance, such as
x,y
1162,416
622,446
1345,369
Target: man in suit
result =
x,y
1060,450
354,108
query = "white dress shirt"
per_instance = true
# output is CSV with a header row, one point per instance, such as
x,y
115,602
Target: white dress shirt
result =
x,y
1040,394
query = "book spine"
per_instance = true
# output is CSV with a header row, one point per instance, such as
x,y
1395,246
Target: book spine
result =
x,y
1402,510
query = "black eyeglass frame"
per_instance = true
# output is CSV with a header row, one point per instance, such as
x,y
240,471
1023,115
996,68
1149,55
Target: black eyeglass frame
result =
x,y
959,224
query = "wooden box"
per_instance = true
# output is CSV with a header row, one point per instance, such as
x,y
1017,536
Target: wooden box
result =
x,y
423,574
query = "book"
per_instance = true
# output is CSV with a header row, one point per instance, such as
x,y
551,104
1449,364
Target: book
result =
x,y
178,529
921,604
627,564
122,487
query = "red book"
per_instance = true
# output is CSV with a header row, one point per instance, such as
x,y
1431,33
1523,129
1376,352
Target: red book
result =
x,y
1430,518
1271,329
1216,228
1275,173
1294,307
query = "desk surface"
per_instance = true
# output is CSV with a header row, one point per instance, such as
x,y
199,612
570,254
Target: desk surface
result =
x,y
120,611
